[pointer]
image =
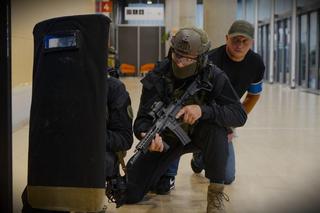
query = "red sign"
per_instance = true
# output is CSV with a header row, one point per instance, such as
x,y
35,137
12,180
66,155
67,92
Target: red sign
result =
x,y
103,6
106,6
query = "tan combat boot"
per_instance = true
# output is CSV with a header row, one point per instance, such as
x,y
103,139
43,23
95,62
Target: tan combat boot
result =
x,y
215,198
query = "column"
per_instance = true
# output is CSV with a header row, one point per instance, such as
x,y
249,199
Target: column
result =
x,y
293,44
256,27
179,13
187,15
271,47
218,17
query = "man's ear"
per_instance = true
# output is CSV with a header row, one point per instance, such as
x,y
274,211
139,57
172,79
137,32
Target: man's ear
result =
x,y
252,42
226,38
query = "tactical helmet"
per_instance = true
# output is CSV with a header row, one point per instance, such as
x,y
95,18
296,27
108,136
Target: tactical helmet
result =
x,y
190,42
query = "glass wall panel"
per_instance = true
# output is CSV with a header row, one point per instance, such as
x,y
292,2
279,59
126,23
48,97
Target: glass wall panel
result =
x,y
199,16
313,46
260,38
275,52
264,9
265,49
250,10
303,3
283,6
287,58
282,71
303,45
280,51
318,36
240,14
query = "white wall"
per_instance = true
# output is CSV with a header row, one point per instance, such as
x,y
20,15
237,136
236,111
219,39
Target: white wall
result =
x,y
24,15
21,101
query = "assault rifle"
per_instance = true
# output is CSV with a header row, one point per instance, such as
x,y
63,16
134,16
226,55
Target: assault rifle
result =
x,y
164,117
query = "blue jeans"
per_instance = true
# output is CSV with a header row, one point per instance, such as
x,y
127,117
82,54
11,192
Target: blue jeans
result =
x,y
173,168
230,168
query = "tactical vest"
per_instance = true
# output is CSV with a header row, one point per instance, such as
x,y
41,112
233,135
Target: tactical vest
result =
x,y
175,92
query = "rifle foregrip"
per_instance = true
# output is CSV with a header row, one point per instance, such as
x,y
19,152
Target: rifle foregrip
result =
x,y
137,155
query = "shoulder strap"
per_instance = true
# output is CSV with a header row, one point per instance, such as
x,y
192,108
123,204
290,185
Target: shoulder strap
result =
x,y
215,78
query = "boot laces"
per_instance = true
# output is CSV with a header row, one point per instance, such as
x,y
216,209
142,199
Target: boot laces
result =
x,y
218,199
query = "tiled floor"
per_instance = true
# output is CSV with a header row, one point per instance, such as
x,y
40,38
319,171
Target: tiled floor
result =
x,y
277,154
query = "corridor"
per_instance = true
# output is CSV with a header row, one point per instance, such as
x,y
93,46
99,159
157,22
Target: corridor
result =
x,y
277,160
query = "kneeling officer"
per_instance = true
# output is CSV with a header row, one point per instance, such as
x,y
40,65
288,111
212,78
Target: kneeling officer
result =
x,y
69,124
204,116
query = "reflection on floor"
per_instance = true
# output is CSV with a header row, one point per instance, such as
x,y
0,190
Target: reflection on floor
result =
x,y
277,154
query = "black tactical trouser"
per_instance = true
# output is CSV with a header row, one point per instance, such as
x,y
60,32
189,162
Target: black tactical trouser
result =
x,y
112,165
209,138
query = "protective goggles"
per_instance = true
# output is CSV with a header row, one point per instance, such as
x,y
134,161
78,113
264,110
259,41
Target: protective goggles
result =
x,y
183,59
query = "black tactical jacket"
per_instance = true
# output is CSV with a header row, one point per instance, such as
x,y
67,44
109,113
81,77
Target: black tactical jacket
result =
x,y
221,105
119,117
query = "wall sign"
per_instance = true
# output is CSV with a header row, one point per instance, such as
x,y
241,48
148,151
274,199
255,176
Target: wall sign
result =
x,y
144,13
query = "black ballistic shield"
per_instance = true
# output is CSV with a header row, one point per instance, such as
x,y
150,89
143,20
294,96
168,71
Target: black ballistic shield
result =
x,y
67,136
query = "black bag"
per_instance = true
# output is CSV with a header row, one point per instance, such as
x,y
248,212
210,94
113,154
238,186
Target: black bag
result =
x,y
67,136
